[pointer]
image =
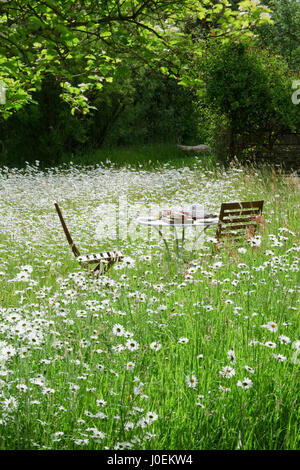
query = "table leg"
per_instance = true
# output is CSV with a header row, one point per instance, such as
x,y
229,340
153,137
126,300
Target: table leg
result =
x,y
182,242
176,242
196,239
166,244
179,253
198,236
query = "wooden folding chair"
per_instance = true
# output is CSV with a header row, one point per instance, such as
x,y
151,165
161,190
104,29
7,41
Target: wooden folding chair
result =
x,y
104,260
238,220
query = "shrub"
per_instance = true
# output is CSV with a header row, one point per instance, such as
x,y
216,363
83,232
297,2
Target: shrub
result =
x,y
252,89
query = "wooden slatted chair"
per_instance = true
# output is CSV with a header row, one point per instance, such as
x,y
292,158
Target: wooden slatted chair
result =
x,y
104,260
238,220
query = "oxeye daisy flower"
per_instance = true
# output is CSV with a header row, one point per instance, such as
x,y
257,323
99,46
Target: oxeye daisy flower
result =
x,y
130,365
198,403
253,342
231,356
142,423
284,339
123,445
156,346
183,340
150,417
227,372
9,404
8,351
118,330
188,277
208,308
39,380
269,253
81,442
217,265
128,426
161,308
22,387
192,270
271,326
128,334
47,390
280,357
255,241
191,381
96,433
132,345
56,436
245,383
224,389
101,402
23,276
28,268
249,369
269,344
118,348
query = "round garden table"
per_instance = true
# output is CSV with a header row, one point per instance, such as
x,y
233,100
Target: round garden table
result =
x,y
200,224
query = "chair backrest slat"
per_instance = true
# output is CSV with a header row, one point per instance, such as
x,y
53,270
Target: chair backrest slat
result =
x,y
242,205
240,213
67,233
237,219
237,227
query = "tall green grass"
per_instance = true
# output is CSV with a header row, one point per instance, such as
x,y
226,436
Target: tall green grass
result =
x,y
69,380
149,156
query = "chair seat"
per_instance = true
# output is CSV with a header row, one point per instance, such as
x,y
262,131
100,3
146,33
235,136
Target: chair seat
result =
x,y
103,256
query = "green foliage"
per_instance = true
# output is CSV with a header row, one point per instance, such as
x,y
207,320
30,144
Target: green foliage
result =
x,y
251,88
284,35
91,40
107,60
160,110
138,107
42,131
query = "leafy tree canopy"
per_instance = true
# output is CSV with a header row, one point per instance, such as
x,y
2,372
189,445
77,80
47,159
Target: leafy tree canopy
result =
x,y
251,88
85,43
284,35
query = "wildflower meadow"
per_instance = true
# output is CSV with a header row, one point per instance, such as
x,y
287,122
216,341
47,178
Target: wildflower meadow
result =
x,y
199,354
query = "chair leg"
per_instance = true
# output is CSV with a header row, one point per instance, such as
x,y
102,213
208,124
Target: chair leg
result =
x,y
215,248
97,268
110,264
86,266
100,268
105,267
